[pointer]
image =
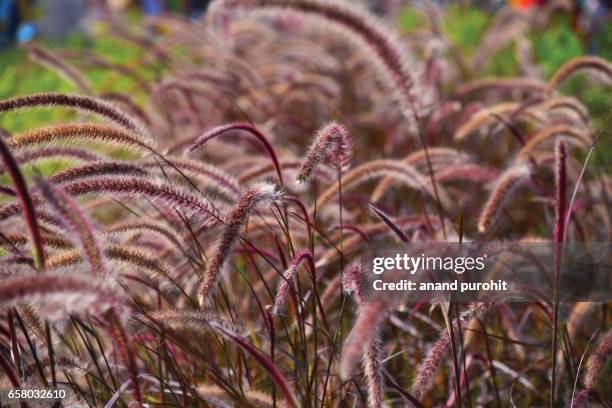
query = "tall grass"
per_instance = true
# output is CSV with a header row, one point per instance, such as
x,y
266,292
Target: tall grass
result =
x,y
203,244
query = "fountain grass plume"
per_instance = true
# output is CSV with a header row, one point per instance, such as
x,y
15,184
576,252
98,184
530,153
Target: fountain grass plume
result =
x,y
57,152
50,241
25,201
99,168
257,194
571,67
401,172
195,320
213,176
81,103
84,133
505,186
157,190
331,142
158,228
525,84
362,336
481,117
597,360
569,103
32,288
153,267
250,129
570,133
285,282
373,372
429,366
77,224
443,155
352,282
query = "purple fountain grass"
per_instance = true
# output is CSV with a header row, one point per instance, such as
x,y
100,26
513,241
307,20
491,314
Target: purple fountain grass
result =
x,y
352,280
85,133
373,373
362,336
469,172
528,84
126,102
214,176
153,268
14,209
196,320
57,152
96,169
580,63
61,362
276,376
429,366
77,224
401,172
160,229
389,56
12,241
25,202
568,103
506,185
572,134
597,360
437,155
252,130
285,282
167,225
258,193
8,191
582,400
33,288
331,142
158,269
124,343
134,187
81,103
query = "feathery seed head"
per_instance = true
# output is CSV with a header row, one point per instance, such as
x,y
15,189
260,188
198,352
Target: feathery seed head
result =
x,y
331,142
258,193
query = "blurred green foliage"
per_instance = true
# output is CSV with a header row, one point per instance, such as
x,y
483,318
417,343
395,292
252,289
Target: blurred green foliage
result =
x,y
555,45
465,26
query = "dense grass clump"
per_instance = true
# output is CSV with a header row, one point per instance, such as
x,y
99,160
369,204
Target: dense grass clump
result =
x,y
195,237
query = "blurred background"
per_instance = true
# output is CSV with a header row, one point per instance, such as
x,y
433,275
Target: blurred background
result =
x,y
22,20
561,30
